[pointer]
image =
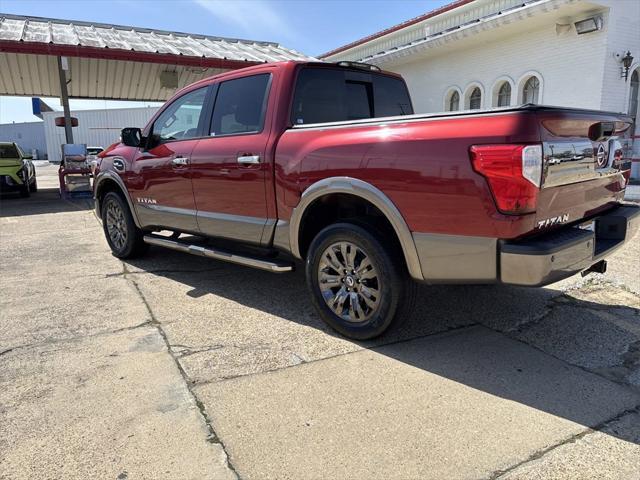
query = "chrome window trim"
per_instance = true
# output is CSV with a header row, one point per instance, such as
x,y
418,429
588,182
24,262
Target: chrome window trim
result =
x,y
400,119
354,186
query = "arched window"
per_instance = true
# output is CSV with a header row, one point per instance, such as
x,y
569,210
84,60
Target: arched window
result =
x,y
475,99
633,94
531,90
454,101
504,95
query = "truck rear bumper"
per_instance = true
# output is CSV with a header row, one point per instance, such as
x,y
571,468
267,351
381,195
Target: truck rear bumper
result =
x,y
565,252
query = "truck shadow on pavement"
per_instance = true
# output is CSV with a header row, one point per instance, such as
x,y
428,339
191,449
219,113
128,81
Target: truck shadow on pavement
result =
x,y
538,347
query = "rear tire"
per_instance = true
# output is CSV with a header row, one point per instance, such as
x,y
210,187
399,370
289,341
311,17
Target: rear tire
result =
x,y
358,284
123,237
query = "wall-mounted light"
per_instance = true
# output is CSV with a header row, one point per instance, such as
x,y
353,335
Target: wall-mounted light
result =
x,y
588,25
627,60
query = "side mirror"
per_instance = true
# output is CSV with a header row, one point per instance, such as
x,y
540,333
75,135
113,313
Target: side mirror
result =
x,y
28,157
131,137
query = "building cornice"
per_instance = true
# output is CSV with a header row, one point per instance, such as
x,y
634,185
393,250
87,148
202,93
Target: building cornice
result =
x,y
521,11
400,26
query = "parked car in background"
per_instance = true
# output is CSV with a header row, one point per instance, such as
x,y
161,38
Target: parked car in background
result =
x,y
328,164
92,156
92,152
17,172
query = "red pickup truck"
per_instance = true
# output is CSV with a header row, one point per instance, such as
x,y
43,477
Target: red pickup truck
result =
x,y
327,163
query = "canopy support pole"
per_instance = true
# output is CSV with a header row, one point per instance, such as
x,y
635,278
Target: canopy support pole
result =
x,y
64,97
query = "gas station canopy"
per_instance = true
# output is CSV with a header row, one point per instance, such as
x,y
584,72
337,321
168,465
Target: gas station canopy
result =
x,y
116,62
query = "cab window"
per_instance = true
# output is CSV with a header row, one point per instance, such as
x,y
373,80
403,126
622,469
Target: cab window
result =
x,y
180,120
332,95
240,105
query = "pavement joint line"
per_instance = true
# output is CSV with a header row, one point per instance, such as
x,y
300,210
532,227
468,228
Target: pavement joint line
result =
x,y
76,338
496,475
212,437
338,355
182,351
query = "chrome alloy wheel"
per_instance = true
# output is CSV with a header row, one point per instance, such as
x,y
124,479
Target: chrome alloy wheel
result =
x,y
349,282
116,225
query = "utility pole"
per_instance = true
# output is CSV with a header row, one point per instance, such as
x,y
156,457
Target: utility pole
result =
x,y
63,66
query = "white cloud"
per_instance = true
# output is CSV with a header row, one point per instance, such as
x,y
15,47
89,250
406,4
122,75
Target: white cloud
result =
x,y
252,16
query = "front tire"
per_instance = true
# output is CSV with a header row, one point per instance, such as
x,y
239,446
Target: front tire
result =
x,y
358,284
34,185
123,237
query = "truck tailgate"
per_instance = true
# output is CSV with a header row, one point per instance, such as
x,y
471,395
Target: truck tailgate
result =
x,y
586,164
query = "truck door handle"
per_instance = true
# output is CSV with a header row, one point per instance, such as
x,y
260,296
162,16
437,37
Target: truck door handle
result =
x,y
249,159
179,161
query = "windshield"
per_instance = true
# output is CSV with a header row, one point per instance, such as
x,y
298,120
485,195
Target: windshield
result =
x,y
9,151
338,94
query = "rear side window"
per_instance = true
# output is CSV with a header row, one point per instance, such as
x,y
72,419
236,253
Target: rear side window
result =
x,y
333,95
240,105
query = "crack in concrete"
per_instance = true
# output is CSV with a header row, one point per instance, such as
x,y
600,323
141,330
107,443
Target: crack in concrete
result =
x,y
184,351
76,338
572,439
338,355
617,373
212,437
630,362
550,354
564,299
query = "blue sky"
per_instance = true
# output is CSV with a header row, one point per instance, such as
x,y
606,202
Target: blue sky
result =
x,y
309,26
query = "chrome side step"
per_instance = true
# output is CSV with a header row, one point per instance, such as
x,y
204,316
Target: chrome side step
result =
x,y
275,266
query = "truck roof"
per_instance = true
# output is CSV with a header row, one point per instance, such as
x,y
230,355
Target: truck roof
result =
x,y
289,64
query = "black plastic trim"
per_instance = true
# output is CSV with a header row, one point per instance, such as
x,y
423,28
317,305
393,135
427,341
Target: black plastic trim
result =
x,y
548,244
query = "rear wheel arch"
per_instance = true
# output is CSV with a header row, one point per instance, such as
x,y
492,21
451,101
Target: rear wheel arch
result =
x,y
337,189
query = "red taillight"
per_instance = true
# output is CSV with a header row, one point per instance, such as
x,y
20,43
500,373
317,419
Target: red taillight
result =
x,y
513,173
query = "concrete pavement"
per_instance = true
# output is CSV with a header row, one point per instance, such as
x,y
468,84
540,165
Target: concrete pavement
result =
x,y
172,366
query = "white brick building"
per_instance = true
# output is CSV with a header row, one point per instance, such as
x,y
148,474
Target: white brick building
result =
x,y
463,55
